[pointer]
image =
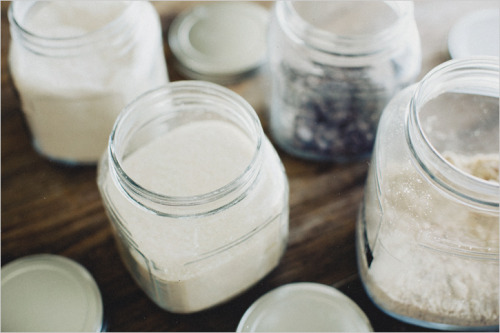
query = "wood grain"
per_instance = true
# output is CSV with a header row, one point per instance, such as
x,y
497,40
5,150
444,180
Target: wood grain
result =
x,y
49,208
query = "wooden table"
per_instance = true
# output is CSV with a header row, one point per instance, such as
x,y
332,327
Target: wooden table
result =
x,y
50,208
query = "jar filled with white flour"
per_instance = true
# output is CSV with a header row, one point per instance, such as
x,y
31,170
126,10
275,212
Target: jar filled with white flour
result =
x,y
76,64
428,229
197,195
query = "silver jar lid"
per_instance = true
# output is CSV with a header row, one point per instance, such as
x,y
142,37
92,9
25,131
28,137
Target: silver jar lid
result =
x,y
49,293
304,307
220,42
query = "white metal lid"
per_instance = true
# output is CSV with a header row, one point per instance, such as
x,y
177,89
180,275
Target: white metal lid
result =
x,y
304,307
220,41
49,293
476,34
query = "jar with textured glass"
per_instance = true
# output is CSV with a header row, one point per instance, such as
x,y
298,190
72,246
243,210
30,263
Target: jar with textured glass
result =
x,y
334,65
76,64
427,232
196,193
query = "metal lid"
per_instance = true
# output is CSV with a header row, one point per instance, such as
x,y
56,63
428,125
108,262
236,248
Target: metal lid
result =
x,y
476,34
219,42
49,293
304,307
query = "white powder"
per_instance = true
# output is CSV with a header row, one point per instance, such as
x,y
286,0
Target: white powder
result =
x,y
483,166
66,20
198,262
166,165
71,102
411,274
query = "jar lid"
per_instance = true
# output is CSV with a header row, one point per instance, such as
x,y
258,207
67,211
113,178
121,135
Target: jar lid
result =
x,y
47,292
476,34
305,307
219,42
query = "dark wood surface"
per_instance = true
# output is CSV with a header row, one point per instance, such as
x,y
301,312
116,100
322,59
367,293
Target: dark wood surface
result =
x,y
50,208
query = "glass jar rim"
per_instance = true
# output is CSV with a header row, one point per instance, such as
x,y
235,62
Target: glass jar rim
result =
x,y
208,91
480,192
344,45
110,28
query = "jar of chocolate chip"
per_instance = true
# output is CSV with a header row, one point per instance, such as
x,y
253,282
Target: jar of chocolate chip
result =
x,y
334,66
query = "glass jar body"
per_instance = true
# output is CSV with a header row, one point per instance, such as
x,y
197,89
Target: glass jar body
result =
x,y
427,232
329,85
75,73
192,253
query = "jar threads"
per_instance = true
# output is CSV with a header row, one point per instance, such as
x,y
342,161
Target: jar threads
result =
x,y
132,125
468,77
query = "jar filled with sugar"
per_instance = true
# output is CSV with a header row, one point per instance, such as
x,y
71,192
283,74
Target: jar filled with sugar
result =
x,y
196,194
334,65
427,231
76,64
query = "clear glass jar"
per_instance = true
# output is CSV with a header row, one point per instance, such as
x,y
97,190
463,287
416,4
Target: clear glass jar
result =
x,y
196,194
427,232
76,64
331,78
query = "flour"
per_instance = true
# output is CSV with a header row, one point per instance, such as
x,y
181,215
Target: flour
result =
x,y
483,166
79,70
434,259
195,263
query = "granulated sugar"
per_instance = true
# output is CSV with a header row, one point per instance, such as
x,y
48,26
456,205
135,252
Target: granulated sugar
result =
x,y
71,93
190,263
166,165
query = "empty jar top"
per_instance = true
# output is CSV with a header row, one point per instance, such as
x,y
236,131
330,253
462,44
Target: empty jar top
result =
x,y
347,28
454,115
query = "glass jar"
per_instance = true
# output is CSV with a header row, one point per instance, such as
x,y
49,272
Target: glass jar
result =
x,y
331,78
197,195
76,64
427,232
